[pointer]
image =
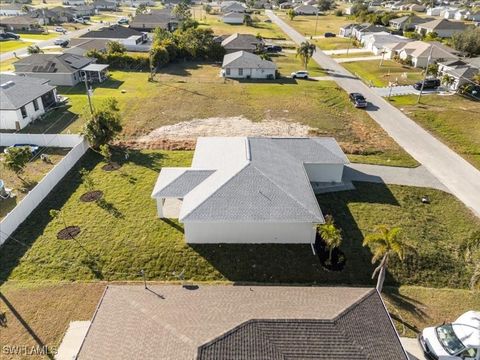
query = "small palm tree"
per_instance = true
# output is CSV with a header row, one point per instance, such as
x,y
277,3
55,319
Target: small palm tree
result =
x,y
291,14
448,80
476,78
305,52
34,49
331,235
384,243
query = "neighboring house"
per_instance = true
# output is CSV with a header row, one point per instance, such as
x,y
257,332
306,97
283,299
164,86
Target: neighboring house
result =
x,y
163,19
376,42
245,42
416,7
436,11
84,10
240,323
418,52
232,6
461,15
360,32
442,27
62,14
449,13
233,18
305,10
460,71
12,9
245,65
22,23
82,46
250,190
286,5
105,5
60,69
132,39
407,23
23,99
73,2
347,30
473,16
137,3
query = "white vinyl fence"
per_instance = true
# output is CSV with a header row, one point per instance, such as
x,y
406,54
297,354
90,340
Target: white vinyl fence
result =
x,y
79,146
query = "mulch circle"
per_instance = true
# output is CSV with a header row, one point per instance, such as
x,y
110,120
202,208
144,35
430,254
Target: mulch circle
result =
x,y
68,233
338,256
111,166
91,196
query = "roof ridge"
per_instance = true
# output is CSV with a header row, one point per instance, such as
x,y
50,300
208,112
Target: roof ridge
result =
x,y
353,305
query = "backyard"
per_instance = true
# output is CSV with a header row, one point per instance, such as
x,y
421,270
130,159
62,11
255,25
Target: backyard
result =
x,y
12,45
335,43
379,76
111,247
146,106
453,119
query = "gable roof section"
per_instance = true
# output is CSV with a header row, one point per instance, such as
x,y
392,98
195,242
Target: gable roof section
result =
x,y
238,41
178,182
111,32
245,59
51,63
16,91
442,24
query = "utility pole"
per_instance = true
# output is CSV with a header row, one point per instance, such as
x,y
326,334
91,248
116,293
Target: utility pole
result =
x,y
425,75
383,56
316,24
88,92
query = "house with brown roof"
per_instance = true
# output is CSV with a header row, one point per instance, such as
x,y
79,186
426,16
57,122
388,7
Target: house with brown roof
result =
x,y
418,52
239,323
22,23
442,27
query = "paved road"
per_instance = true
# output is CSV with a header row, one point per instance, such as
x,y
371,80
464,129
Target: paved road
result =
x,y
49,42
458,175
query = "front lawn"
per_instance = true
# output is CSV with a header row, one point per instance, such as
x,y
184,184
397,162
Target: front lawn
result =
x,y
305,24
123,235
335,43
46,36
203,94
288,63
12,45
453,119
373,74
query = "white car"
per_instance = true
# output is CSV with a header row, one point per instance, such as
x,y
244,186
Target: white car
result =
x,y
300,74
60,29
459,340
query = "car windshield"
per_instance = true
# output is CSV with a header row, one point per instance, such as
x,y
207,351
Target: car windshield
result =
x,y
359,98
449,340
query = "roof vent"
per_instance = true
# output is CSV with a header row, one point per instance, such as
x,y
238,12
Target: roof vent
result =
x,y
7,85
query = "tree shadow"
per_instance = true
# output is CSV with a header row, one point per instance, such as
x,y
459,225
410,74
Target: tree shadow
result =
x,y
54,122
150,160
109,207
173,224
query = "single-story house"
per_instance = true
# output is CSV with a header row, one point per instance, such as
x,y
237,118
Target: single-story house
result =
x,y
419,51
132,39
245,65
83,46
210,322
137,3
449,13
60,69
416,7
360,32
105,5
245,42
473,16
84,10
163,19
73,2
459,70
347,30
442,27
250,190
376,42
435,11
461,15
232,6
12,9
305,10
407,23
22,23
62,14
233,18
286,5
23,99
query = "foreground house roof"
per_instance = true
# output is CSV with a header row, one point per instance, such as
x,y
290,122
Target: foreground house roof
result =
x,y
264,177
51,63
111,32
16,91
238,41
247,60
241,322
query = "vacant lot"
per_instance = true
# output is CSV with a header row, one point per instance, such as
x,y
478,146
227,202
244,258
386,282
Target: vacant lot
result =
x,y
195,91
335,43
373,74
453,119
122,235
35,170
306,24
12,45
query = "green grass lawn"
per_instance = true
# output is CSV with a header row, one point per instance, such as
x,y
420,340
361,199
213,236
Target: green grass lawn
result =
x,y
12,45
123,235
335,43
453,119
288,63
7,65
305,25
35,170
47,36
351,55
372,73
202,94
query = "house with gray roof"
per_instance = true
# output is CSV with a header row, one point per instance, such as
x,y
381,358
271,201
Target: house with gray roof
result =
x,y
60,69
23,99
461,72
12,9
242,42
250,190
226,322
233,18
442,27
245,65
306,9
22,23
163,19
407,23
232,6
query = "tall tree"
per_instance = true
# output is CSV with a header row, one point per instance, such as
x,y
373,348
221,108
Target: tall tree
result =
x,y
182,11
104,125
16,158
331,235
114,47
305,52
467,41
291,14
384,243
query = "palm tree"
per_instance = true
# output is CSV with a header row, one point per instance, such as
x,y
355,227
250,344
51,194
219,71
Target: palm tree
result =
x,y
331,235
384,243
476,78
305,52
34,49
448,80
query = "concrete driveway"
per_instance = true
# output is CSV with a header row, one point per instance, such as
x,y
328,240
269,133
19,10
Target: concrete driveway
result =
x,y
459,176
413,349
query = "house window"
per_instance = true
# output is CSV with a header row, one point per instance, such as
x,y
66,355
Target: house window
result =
x,y
227,71
23,111
35,104
240,71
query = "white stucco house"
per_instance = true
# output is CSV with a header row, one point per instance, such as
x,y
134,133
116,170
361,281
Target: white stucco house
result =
x,y
306,10
245,65
23,99
250,190
12,9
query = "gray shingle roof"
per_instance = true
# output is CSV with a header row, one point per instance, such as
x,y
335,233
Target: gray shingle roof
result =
x,y
238,41
442,24
51,63
183,184
111,32
244,59
16,91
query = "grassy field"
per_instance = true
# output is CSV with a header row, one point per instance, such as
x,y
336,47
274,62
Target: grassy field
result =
x,y
33,173
50,35
12,45
7,65
453,119
351,55
372,73
110,235
203,94
288,63
335,43
306,24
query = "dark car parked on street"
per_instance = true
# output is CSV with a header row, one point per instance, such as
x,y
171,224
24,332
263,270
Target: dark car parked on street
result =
x,y
329,34
273,48
9,35
358,100
429,84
